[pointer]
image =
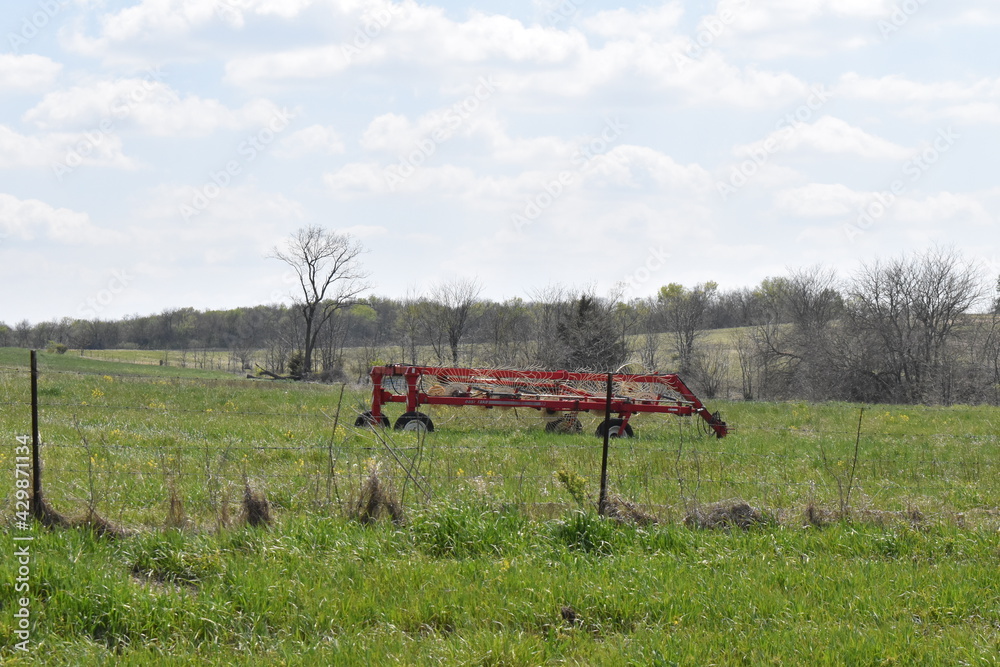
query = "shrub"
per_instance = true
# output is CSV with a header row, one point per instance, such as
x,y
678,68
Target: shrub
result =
x,y
296,363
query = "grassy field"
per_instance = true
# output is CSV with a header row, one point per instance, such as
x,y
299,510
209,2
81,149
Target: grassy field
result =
x,y
887,557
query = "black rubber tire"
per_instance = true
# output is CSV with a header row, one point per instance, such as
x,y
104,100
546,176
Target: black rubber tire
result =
x,y
412,421
616,427
564,425
366,419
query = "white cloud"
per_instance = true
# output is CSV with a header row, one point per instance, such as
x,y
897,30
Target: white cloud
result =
x,y
770,14
412,158
635,169
155,21
444,181
976,102
986,15
396,134
393,132
415,34
544,151
563,63
714,81
914,210
485,37
61,150
629,164
974,113
357,178
898,89
627,24
365,231
827,135
944,208
27,73
303,63
246,211
149,104
772,29
313,139
29,219
636,51
819,200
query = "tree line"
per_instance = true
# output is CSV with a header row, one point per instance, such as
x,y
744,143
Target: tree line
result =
x,y
921,328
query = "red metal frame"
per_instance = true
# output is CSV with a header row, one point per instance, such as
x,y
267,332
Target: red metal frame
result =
x,y
541,390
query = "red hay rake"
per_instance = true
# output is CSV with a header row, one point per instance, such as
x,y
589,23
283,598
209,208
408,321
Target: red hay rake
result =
x,y
559,395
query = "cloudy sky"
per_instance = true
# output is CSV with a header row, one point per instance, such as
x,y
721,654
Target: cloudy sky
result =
x,y
151,152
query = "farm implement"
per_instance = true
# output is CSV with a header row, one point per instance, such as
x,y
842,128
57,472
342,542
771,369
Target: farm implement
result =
x,y
559,395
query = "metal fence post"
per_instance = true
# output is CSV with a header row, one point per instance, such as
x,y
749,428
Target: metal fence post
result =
x,y
602,503
36,466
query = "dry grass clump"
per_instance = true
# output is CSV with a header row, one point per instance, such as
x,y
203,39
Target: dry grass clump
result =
x,y
101,526
626,511
176,518
376,499
45,514
222,510
50,518
726,515
570,615
256,509
882,518
818,517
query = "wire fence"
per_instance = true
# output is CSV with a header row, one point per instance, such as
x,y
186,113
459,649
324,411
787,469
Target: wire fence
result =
x,y
154,450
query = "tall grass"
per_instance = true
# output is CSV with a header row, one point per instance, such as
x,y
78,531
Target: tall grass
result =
x,y
462,585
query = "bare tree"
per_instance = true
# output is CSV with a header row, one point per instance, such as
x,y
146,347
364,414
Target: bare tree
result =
x,y
450,311
376,341
983,353
712,366
278,346
650,323
911,307
549,305
327,267
22,333
996,298
684,312
746,354
407,328
629,319
787,351
809,305
505,326
429,315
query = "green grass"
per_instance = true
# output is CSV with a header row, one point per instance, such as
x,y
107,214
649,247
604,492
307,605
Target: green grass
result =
x,y
319,590
482,571
134,362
